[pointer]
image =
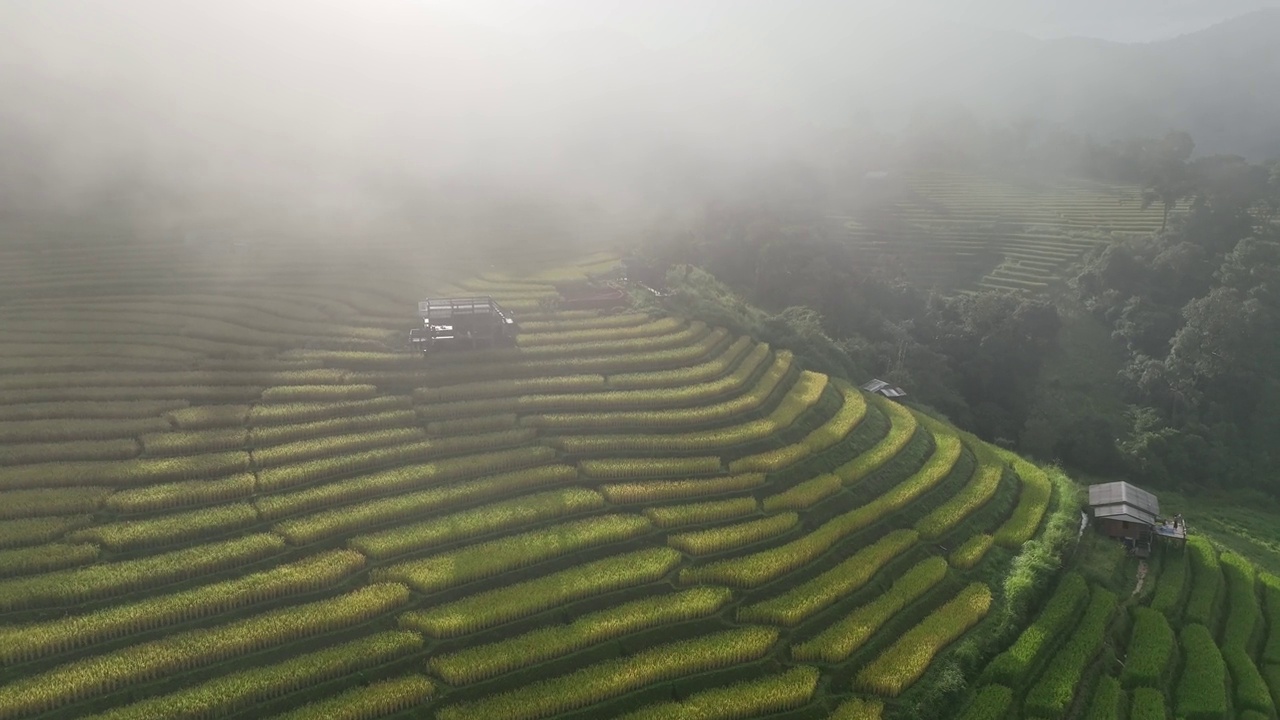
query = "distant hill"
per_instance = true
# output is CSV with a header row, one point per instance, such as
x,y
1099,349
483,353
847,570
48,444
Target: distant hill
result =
x,y
1221,84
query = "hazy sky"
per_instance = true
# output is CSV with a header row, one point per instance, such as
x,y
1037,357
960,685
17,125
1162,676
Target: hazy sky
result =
x,y
330,97
1118,20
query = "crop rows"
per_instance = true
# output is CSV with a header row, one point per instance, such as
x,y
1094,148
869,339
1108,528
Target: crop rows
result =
x,y
1147,704
660,326
858,709
140,582
518,600
804,494
946,228
731,537
636,468
784,691
753,570
1271,612
562,323
631,493
1107,696
1206,582
1201,692
1242,624
977,492
741,353
614,677
349,519
45,558
667,516
483,661
679,417
577,364
1013,666
284,413
1033,501
502,515
34,531
169,496
96,582
1151,650
1171,585
991,703
801,397
79,429
29,504
101,674
556,384
303,473
805,599
514,551
125,473
405,477
375,700
971,551
245,689
837,642
1052,694
29,641
899,666
902,428
168,529
852,410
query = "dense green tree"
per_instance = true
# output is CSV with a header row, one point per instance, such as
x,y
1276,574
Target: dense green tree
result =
x,y
1193,312
1170,178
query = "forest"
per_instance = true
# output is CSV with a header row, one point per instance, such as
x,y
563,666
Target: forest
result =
x,y
1182,322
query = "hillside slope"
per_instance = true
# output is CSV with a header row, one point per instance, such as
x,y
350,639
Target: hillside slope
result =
x,y
245,499
1196,637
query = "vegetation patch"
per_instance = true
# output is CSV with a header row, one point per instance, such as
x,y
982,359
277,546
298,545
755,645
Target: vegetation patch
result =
x,y
1013,666
1202,691
1151,649
991,703
906,660
1051,696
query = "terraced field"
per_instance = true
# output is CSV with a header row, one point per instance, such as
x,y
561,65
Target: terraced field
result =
x,y
961,231
1204,642
235,494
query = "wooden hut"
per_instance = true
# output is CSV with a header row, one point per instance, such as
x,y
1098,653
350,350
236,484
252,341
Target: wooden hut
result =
x,y
1125,512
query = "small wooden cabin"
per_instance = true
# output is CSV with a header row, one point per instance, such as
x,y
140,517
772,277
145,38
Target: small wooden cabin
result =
x,y
1125,512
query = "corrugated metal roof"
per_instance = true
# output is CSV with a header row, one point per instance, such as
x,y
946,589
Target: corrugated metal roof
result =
x,y
1114,493
1124,511
884,388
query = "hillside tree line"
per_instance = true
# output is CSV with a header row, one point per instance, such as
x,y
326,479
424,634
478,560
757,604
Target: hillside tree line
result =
x,y
1193,311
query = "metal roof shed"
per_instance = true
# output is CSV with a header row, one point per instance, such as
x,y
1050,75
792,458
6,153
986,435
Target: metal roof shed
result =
x,y
1122,501
883,388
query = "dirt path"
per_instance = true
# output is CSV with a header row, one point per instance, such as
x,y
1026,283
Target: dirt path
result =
x,y
1142,576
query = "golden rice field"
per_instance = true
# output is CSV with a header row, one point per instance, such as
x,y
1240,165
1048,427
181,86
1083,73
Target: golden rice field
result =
x,y
227,489
964,231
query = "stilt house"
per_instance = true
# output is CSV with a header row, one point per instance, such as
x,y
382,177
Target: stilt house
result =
x,y
1125,512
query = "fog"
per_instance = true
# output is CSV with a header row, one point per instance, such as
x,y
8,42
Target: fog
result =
x,y
197,111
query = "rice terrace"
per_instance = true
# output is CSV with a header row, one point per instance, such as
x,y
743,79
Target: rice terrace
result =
x,y
569,360
230,489
972,231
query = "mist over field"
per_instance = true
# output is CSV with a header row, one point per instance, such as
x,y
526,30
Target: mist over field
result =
x,y
534,359
169,110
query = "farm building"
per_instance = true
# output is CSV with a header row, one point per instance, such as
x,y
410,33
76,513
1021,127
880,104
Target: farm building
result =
x,y
468,322
1130,514
883,388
